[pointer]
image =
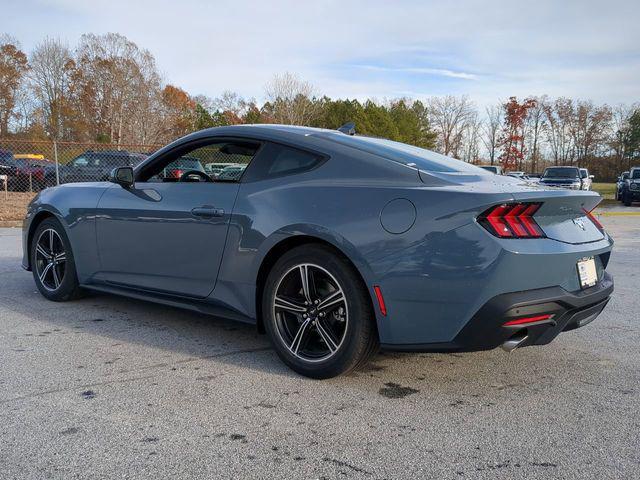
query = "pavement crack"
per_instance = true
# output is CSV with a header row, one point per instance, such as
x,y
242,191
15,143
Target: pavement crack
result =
x,y
72,388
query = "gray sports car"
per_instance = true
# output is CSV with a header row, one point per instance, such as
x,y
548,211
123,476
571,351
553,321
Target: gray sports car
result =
x,y
334,244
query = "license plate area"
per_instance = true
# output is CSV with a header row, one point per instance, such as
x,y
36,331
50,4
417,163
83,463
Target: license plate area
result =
x,y
587,272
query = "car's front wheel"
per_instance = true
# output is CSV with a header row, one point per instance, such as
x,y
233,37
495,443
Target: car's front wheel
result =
x,y
318,313
52,262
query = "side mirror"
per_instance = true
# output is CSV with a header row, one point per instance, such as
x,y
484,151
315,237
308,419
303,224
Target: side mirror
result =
x,y
122,176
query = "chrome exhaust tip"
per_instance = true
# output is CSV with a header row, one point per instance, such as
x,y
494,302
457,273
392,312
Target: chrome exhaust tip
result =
x,y
514,342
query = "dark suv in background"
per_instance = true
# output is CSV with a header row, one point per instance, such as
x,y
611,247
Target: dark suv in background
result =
x,y
95,166
631,187
562,177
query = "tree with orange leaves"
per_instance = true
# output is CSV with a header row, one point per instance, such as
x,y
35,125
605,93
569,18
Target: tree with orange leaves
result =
x,y
13,65
512,140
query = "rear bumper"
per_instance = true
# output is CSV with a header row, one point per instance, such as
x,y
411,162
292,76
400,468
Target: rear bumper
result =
x,y
486,329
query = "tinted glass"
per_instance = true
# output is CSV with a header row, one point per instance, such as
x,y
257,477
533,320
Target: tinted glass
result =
x,y
561,173
403,153
635,174
288,160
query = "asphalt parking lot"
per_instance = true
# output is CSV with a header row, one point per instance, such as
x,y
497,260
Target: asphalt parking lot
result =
x,y
110,387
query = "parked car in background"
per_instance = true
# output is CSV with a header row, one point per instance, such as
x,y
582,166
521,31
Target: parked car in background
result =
x,y
520,175
497,169
534,177
231,173
620,183
25,172
562,177
92,166
587,180
214,169
631,187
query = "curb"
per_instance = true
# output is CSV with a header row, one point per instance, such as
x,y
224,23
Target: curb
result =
x,y
618,214
10,223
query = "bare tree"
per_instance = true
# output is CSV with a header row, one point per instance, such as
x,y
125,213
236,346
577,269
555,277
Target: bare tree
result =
x,y
49,76
449,117
116,80
290,100
558,116
535,123
491,131
588,127
471,139
619,128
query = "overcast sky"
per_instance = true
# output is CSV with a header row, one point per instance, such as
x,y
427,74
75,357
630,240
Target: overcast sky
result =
x,y
487,49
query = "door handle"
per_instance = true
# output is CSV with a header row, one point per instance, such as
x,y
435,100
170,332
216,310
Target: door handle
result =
x,y
207,212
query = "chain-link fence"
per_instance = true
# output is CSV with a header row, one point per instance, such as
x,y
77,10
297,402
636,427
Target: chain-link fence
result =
x,y
26,167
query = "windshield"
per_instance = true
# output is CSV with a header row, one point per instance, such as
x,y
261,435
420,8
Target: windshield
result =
x,y
561,173
403,153
635,174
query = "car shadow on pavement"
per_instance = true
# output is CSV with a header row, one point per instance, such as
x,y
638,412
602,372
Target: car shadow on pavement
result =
x,y
183,337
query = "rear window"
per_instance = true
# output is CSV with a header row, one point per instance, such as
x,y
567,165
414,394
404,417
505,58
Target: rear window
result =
x,y
561,173
403,153
276,160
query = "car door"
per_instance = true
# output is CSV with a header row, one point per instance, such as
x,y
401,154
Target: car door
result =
x,y
164,236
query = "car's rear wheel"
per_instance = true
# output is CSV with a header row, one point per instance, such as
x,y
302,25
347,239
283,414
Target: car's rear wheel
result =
x,y
52,262
318,313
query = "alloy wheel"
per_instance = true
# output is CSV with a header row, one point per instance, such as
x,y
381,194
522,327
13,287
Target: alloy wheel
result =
x,y
50,259
311,313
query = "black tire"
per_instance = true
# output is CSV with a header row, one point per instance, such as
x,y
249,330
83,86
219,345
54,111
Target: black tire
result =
x,y
356,327
626,199
60,282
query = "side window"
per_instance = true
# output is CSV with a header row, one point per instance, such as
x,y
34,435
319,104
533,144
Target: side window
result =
x,y
279,160
221,161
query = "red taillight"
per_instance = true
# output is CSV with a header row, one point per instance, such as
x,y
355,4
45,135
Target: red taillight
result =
x,y
593,218
528,320
512,220
380,298
175,173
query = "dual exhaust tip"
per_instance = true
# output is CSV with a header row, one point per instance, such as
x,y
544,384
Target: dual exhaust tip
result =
x,y
515,341
518,338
